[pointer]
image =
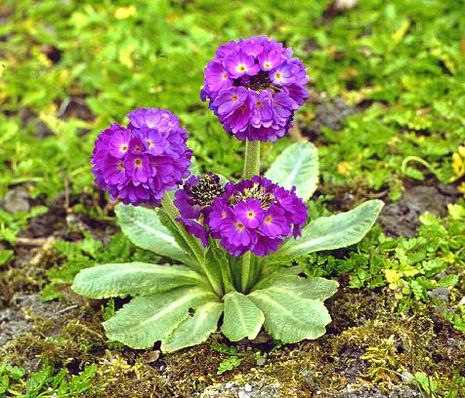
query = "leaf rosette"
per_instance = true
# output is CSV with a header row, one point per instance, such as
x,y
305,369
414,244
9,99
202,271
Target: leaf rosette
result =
x,y
180,305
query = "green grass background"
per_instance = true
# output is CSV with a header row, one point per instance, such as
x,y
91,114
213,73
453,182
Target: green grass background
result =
x,y
403,58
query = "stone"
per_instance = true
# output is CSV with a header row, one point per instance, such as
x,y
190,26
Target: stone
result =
x,y
440,293
16,201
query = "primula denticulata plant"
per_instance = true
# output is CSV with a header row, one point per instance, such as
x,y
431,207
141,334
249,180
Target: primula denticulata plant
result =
x,y
233,242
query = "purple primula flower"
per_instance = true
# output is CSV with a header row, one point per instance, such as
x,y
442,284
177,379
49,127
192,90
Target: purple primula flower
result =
x,y
255,215
240,64
250,213
142,161
194,202
254,86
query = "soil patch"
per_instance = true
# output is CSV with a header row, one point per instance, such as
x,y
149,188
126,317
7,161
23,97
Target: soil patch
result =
x,y
328,113
401,218
19,317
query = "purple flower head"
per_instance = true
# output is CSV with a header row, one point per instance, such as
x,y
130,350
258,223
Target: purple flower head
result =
x,y
138,163
255,215
254,86
194,202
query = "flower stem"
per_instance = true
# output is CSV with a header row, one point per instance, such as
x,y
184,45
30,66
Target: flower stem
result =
x,y
222,261
251,168
246,273
252,159
193,244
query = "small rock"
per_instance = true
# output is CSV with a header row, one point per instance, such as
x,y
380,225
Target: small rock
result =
x,y
404,392
16,201
440,293
354,391
265,387
261,361
441,275
309,380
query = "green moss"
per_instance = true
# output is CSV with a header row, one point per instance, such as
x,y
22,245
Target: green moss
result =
x,y
368,342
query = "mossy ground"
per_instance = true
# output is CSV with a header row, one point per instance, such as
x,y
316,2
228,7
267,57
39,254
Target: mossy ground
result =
x,y
367,344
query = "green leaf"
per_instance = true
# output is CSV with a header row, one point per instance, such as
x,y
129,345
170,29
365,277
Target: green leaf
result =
x,y
228,364
329,233
289,317
217,260
172,228
195,329
242,318
131,279
296,166
147,319
312,288
144,228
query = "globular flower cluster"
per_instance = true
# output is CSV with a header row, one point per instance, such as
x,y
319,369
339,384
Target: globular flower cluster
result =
x,y
138,163
194,202
254,86
256,215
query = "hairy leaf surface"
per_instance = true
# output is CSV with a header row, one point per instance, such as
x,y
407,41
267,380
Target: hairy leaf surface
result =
x,y
144,228
130,279
289,317
194,329
147,319
329,233
312,288
296,166
242,318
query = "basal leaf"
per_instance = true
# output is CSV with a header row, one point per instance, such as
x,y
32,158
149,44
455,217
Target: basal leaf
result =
x,y
289,317
130,279
147,319
144,228
172,228
312,288
218,262
242,318
329,233
296,166
194,329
